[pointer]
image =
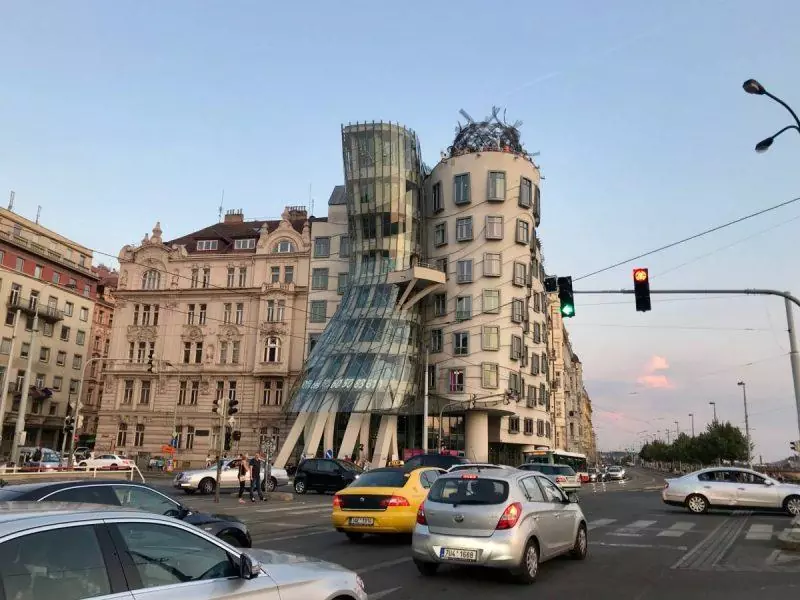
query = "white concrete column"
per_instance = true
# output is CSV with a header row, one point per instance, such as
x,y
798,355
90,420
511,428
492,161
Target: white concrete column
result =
x,y
477,436
351,434
291,439
387,433
330,430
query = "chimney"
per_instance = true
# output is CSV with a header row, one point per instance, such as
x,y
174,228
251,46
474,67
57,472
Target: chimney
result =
x,y
234,216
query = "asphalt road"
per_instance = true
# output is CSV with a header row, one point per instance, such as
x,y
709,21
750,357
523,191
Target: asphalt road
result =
x,y
639,549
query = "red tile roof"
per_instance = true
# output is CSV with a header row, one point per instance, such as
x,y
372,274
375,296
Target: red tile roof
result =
x,y
227,233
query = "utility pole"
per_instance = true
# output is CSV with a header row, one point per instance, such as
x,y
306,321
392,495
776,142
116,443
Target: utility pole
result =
x,y
677,430
7,375
220,444
714,406
692,417
19,429
746,422
425,405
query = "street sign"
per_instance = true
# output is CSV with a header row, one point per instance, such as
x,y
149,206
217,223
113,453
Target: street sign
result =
x,y
329,453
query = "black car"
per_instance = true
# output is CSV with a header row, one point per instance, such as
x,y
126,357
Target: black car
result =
x,y
324,475
434,459
130,495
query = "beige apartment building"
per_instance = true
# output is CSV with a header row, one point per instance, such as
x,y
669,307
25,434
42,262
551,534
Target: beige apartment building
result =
x,y
572,407
330,261
487,329
215,315
44,275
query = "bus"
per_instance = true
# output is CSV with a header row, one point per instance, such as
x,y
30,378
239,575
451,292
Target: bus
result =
x,y
575,460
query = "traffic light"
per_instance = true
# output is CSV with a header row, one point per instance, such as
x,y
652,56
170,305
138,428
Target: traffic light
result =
x,y
216,408
232,410
566,296
69,425
641,289
795,446
237,435
228,438
551,284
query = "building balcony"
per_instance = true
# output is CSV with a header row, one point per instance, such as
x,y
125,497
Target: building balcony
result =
x,y
31,246
32,307
416,283
271,368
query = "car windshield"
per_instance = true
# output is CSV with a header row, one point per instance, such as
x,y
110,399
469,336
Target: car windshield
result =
x,y
451,490
467,466
563,470
8,495
614,468
379,478
349,466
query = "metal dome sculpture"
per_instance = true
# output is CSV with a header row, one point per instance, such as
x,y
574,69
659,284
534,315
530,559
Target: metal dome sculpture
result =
x,y
493,133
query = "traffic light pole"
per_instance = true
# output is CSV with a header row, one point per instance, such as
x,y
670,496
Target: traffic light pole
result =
x,y
789,299
223,410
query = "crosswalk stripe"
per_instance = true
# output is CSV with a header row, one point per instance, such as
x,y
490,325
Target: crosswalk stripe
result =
x,y
600,523
759,532
677,529
633,529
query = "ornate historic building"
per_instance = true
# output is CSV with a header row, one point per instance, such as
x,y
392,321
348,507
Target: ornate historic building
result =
x,y
218,313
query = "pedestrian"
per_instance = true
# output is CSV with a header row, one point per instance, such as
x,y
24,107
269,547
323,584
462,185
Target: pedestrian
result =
x,y
256,464
243,471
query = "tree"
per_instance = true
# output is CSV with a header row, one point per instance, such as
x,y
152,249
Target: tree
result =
x,y
720,441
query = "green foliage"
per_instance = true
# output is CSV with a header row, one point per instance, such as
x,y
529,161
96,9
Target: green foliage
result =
x,y
720,441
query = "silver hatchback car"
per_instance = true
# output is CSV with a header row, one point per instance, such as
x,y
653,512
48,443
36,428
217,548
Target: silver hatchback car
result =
x,y
501,518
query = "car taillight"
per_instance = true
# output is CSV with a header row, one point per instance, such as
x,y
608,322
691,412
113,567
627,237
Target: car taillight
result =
x,y
510,516
394,501
337,501
560,479
421,519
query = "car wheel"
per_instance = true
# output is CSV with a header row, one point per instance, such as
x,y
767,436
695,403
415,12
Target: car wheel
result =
x,y
697,504
428,569
206,486
792,505
354,536
581,547
300,487
273,484
83,464
528,568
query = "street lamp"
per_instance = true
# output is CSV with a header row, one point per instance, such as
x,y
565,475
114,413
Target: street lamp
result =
x,y
714,404
677,430
692,417
746,420
751,86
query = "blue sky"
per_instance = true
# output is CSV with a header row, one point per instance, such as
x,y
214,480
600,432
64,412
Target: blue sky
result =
x,y
117,114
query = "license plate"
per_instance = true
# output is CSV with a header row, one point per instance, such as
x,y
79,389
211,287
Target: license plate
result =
x,y
362,521
458,554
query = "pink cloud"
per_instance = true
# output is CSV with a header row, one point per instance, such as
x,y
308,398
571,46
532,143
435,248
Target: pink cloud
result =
x,y
656,363
651,378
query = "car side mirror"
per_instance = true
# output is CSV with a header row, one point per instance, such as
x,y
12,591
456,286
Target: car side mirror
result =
x,y
248,567
768,482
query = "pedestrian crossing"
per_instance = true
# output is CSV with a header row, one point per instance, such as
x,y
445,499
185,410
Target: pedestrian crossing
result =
x,y
677,529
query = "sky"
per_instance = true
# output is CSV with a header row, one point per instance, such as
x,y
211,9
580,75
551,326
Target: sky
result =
x,y
115,115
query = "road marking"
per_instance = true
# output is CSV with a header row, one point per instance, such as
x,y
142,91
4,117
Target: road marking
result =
x,y
382,593
677,530
309,511
266,537
383,565
600,523
649,546
634,529
708,553
759,532
281,509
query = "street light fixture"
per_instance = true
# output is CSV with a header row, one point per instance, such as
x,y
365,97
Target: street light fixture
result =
x,y
691,415
751,86
714,405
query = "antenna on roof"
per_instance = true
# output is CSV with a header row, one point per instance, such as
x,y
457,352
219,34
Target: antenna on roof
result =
x,y
38,213
221,203
310,200
11,200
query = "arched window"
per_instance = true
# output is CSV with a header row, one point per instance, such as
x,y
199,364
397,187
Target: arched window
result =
x,y
284,247
151,280
272,350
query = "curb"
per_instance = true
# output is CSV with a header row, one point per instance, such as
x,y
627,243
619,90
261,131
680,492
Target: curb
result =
x,y
790,538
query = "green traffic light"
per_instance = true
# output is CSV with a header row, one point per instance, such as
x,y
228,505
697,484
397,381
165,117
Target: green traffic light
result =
x,y
568,310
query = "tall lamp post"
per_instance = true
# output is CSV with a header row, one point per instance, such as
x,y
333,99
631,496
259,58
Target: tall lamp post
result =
x,y
746,421
714,405
751,86
691,415
677,430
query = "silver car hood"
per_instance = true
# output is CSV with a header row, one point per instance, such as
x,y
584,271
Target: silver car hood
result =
x,y
287,568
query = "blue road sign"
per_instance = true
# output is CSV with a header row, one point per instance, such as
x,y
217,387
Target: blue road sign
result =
x,y
328,453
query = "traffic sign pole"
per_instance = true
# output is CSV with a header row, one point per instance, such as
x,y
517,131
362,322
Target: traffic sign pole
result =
x,y
220,445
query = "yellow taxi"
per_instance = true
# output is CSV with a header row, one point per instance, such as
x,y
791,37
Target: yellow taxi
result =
x,y
382,501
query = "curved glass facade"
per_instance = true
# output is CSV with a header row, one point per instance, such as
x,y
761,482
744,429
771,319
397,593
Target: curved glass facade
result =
x,y
368,357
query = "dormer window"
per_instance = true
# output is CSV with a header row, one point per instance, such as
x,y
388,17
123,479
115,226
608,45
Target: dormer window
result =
x,y
206,245
247,244
284,247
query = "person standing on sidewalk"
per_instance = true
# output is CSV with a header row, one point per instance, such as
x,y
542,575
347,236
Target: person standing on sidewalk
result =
x,y
244,469
256,464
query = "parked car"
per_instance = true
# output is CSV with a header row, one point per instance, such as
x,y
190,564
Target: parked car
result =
x,y
731,487
615,473
324,475
503,519
434,459
163,558
563,475
205,480
107,461
128,494
382,501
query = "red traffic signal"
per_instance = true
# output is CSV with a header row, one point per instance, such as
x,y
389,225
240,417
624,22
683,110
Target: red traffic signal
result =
x,y
641,289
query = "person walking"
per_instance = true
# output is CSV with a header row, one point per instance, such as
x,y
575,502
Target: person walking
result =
x,y
244,470
256,464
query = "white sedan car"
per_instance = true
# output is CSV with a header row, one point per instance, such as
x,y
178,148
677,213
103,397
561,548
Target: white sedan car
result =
x,y
107,461
731,488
